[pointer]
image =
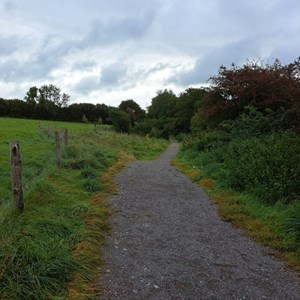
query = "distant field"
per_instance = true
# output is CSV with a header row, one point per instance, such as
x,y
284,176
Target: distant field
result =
x,y
51,250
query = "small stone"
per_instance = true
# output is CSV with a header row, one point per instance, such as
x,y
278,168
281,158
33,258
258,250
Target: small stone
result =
x,y
156,286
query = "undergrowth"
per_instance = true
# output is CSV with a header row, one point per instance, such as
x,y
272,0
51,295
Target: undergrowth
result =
x,y
51,250
253,173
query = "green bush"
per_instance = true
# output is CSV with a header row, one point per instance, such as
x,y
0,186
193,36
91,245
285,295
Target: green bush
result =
x,y
267,166
121,120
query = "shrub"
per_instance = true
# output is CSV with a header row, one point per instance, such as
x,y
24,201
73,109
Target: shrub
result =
x,y
268,166
121,120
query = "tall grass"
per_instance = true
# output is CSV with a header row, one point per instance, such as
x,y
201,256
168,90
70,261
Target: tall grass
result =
x,y
51,250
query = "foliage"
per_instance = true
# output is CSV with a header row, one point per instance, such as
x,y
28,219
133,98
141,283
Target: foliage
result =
x,y
186,107
135,112
169,115
47,93
264,86
162,105
252,123
48,103
120,120
268,167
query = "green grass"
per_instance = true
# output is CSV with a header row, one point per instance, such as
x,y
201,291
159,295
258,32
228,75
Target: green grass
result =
x,y
50,251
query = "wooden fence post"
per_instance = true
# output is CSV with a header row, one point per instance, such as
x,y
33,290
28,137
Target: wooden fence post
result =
x,y
66,137
58,149
16,176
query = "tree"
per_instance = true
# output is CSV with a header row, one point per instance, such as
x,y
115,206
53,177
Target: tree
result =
x,y
47,92
52,93
260,85
163,105
187,106
135,112
16,108
3,107
120,120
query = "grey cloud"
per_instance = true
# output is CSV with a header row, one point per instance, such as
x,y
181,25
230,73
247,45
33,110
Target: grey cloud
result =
x,y
9,7
209,64
9,69
87,65
11,44
45,59
87,84
158,67
117,30
113,74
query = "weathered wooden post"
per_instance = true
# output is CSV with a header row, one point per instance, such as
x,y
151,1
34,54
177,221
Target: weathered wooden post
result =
x,y
16,176
58,149
66,137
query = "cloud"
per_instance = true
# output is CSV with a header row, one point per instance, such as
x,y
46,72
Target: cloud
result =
x,y
110,48
86,65
87,84
113,74
117,30
209,64
37,65
11,44
9,7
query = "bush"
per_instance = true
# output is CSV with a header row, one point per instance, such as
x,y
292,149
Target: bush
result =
x,y
252,122
268,166
121,120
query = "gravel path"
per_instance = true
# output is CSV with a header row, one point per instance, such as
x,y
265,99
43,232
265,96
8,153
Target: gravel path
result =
x,y
167,242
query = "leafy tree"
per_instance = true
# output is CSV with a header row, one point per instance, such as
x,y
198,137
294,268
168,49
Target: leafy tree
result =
x,y
16,108
120,120
3,107
163,105
52,93
135,112
32,95
260,85
101,111
187,106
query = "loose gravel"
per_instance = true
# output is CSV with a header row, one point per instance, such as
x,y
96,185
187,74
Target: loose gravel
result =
x,y
167,242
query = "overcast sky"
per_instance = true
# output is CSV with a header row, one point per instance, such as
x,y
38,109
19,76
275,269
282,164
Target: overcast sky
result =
x,y
106,51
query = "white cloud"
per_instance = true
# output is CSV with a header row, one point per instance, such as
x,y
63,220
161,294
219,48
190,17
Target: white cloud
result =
x,y
107,51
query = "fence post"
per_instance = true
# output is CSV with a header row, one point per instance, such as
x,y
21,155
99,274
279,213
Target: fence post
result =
x,y
66,137
58,149
16,176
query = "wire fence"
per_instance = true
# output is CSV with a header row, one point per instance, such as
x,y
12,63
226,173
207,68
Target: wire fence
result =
x,y
38,155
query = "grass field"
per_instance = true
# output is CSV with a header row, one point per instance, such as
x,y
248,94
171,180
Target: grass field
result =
x,y
50,251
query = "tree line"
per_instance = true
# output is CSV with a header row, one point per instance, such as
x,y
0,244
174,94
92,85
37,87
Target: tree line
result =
x,y
266,87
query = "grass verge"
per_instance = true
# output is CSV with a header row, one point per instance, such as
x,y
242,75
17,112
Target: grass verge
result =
x,y
51,250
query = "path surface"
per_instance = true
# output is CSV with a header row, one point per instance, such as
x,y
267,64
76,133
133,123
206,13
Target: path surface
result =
x,y
168,242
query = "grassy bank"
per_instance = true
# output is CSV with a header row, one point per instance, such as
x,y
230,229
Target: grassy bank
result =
x,y
50,251
255,182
